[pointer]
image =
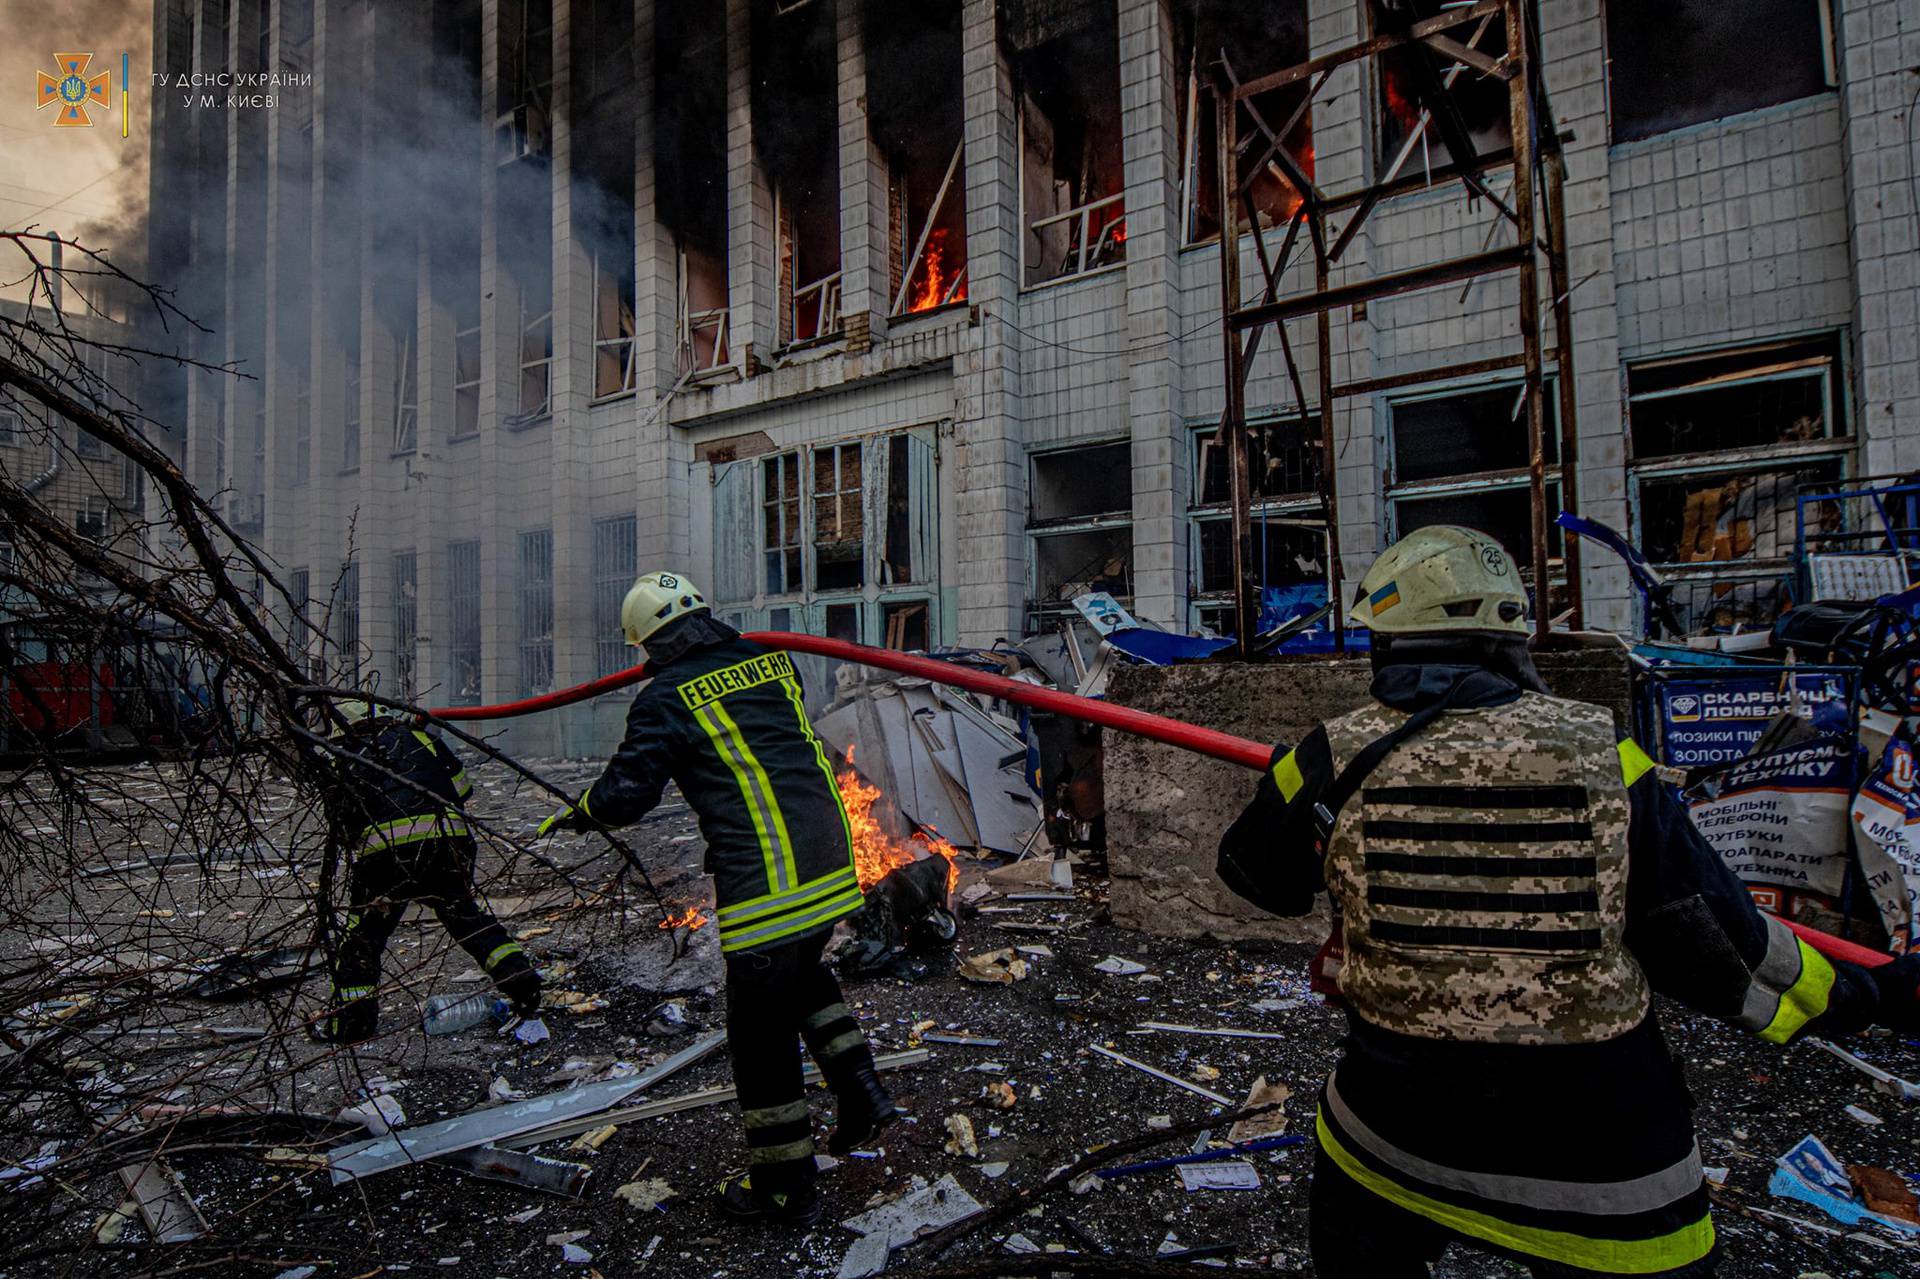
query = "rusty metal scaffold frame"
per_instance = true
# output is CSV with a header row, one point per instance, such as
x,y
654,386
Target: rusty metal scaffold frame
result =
x,y
1538,167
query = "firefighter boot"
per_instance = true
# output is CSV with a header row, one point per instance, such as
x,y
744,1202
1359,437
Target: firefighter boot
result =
x,y
865,1108
795,1204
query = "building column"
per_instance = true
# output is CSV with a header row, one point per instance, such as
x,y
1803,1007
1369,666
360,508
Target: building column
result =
x,y
572,385
499,397
1573,44
865,241
1161,449
661,456
991,502
752,288
1877,47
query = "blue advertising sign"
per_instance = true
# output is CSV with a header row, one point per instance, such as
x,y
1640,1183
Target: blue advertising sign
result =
x,y
1716,720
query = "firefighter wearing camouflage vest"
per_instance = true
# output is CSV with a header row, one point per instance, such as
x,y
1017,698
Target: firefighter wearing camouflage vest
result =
x,y
723,718
1515,881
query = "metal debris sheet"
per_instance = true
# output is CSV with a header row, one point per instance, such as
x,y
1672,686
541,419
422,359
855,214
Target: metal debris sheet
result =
x,y
476,1128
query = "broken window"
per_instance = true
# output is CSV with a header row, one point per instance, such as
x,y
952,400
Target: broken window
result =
x,y
842,622
1256,40
1080,522
524,191
90,518
1077,483
466,374
463,608
1461,457
616,562
1066,71
1722,447
914,106
1672,63
839,518
906,625
406,622
906,497
406,395
536,362
525,72
1289,544
9,429
796,111
780,522
690,142
1428,100
603,165
536,611
613,330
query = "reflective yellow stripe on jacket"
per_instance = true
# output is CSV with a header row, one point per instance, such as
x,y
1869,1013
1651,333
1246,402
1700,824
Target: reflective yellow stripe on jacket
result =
x,y
411,830
776,915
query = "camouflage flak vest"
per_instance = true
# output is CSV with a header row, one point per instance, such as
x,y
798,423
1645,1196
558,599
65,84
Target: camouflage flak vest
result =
x,y
1482,870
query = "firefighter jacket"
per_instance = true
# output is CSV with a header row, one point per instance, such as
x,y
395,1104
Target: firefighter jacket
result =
x,y
407,786
725,722
1515,880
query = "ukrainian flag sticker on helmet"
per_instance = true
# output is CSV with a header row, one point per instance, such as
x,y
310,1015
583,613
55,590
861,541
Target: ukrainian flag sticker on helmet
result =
x,y
1384,598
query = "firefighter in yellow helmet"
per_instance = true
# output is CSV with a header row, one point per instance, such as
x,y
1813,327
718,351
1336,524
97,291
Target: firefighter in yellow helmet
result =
x,y
723,718
1516,882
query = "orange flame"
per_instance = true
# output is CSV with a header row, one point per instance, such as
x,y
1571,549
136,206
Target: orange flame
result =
x,y
875,852
692,919
935,279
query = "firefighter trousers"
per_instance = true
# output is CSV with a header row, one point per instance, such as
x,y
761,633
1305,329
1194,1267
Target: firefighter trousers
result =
x,y
1355,1234
438,874
776,998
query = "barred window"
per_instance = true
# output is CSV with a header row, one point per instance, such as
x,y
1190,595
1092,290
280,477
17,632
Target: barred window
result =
x,y
406,622
615,564
463,630
536,611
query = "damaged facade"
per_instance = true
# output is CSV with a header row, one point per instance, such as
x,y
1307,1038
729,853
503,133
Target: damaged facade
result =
x,y
885,326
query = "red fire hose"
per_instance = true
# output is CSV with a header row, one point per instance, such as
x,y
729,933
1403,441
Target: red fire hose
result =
x,y
1172,732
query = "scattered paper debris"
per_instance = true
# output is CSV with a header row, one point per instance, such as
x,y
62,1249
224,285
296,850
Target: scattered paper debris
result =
x,y
1020,1243
522,1218
645,1196
1204,1073
1866,1117
1274,1121
922,1209
1175,1080
1119,967
1227,1174
1810,1173
501,1090
960,1138
995,967
379,1114
995,1170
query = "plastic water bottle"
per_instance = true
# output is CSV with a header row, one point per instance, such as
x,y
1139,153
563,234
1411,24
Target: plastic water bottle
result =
x,y
451,1014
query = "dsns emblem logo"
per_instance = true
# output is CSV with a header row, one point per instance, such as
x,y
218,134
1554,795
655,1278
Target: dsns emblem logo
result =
x,y
73,92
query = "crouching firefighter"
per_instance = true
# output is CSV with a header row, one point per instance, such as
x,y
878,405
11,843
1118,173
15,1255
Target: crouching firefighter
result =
x,y
722,718
1515,880
413,846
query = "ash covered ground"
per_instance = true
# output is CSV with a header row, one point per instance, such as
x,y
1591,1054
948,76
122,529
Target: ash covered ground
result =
x,y
268,1215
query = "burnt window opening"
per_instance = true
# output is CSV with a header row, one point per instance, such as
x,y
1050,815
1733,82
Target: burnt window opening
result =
x,y
405,603
908,490
839,518
406,386
1066,73
905,625
1722,445
1081,483
915,106
1080,525
1282,462
1410,78
1461,457
1256,41
522,130
603,163
466,358
1670,63
690,142
1286,552
842,622
780,523
350,406
796,111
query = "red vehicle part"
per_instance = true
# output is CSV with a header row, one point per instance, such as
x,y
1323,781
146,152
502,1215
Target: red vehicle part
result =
x,y
1172,732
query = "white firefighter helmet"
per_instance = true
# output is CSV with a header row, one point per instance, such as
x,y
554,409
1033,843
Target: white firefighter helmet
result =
x,y
1439,580
655,600
352,712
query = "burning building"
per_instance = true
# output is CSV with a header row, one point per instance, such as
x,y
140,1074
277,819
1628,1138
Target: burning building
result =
x,y
900,323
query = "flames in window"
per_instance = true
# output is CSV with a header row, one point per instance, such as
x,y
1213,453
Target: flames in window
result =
x,y
938,284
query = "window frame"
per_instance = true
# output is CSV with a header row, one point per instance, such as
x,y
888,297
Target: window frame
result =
x,y
1300,509
534,603
1838,446
1394,492
1040,612
466,625
614,565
